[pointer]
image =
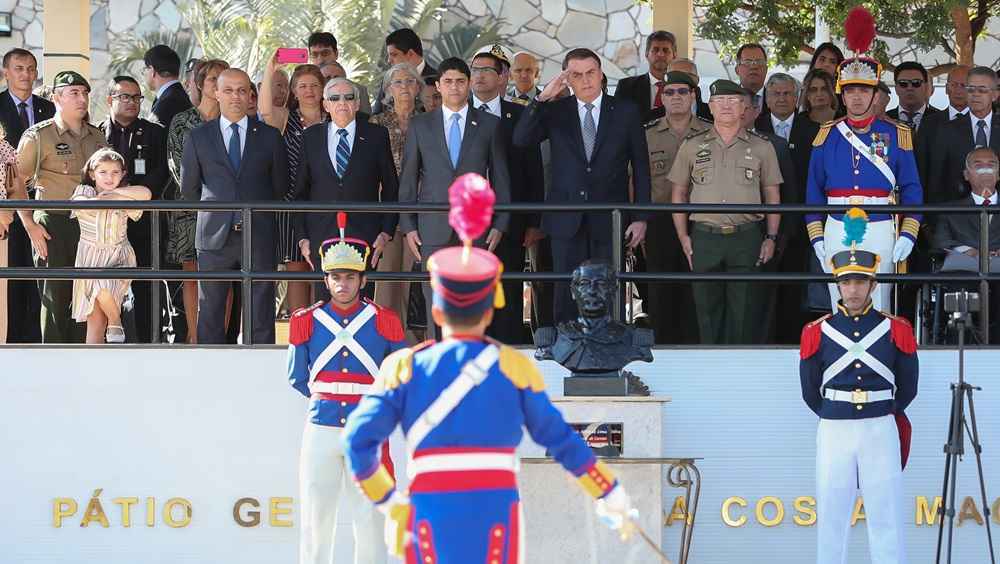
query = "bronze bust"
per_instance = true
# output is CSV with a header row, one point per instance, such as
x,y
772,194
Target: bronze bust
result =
x,y
594,345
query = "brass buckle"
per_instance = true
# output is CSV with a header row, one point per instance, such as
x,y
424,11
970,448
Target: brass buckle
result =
x,y
856,200
727,229
857,396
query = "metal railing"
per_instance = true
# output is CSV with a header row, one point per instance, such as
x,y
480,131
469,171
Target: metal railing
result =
x,y
246,275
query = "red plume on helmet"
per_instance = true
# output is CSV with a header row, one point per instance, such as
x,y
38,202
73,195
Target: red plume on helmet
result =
x,y
859,29
471,199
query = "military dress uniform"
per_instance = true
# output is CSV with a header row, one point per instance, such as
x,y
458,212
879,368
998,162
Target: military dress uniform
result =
x,y
52,156
858,374
334,356
462,404
717,173
863,165
669,305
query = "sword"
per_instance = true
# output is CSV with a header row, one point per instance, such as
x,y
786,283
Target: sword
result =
x,y
631,526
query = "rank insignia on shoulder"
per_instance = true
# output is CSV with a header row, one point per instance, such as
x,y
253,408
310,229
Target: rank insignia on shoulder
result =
x,y
697,133
651,123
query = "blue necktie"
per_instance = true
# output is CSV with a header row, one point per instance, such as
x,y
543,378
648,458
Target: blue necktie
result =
x,y
234,147
454,140
343,153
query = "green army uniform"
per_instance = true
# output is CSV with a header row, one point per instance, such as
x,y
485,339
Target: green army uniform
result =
x,y
52,157
717,173
669,305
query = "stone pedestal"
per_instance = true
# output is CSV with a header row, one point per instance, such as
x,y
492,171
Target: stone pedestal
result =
x,y
560,524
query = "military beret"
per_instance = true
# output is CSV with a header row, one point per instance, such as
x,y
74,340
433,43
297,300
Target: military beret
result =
x,y
69,78
723,87
678,77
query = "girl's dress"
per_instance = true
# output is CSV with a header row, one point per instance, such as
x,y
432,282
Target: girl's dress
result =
x,y
103,244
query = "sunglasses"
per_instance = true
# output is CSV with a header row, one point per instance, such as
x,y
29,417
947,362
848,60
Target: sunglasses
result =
x,y
668,92
338,97
913,83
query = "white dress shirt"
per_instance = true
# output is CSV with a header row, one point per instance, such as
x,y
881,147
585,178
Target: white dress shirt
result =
x,y
227,133
333,139
953,113
975,126
786,131
596,111
446,114
493,106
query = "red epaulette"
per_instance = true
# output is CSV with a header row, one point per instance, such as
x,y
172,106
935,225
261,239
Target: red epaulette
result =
x,y
300,326
901,333
387,323
812,334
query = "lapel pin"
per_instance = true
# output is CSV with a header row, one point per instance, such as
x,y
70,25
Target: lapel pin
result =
x,y
474,123
508,115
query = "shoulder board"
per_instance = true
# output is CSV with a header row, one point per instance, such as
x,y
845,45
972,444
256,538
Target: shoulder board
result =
x,y
300,325
387,323
758,135
901,333
824,130
40,125
520,370
651,123
812,335
905,137
396,370
697,133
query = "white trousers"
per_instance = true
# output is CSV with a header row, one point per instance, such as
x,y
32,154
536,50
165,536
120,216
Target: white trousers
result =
x,y
880,239
326,491
866,452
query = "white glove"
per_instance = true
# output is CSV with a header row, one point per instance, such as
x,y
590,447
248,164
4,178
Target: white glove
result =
x,y
820,249
616,511
903,248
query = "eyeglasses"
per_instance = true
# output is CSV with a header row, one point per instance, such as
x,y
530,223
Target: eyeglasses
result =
x,y
403,82
912,83
338,97
978,89
137,99
753,62
482,70
668,92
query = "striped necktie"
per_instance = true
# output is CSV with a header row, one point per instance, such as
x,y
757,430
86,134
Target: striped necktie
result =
x,y
343,153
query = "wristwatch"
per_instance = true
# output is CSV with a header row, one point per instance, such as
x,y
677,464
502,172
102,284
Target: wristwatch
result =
x,y
770,237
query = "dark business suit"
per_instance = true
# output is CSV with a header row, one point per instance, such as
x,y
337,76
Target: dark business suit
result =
x,y
638,90
926,144
147,141
369,168
427,173
207,175
527,184
947,159
23,302
378,107
604,178
174,101
928,112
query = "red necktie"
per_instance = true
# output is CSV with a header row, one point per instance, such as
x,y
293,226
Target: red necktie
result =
x,y
658,103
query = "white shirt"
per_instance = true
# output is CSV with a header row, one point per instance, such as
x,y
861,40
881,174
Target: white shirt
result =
x,y
493,106
227,133
777,125
953,113
333,139
975,126
166,85
652,89
596,111
446,114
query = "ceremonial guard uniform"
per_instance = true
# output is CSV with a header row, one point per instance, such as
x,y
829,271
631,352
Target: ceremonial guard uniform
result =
x,y
858,373
462,404
334,356
868,163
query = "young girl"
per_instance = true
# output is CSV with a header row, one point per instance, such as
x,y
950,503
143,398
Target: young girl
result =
x,y
103,244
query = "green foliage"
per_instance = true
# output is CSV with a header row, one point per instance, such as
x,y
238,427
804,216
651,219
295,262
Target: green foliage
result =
x,y
128,50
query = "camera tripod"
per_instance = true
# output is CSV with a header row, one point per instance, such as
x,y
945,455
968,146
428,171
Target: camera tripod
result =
x,y
954,449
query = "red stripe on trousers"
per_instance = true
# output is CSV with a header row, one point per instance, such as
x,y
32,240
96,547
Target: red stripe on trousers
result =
x,y
515,534
494,545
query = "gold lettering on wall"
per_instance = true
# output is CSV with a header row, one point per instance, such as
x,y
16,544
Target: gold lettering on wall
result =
x,y
925,514
805,506
168,512
678,512
727,516
62,507
859,511
126,503
779,513
252,518
278,511
969,511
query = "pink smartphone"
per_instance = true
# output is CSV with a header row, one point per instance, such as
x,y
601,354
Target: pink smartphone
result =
x,y
291,55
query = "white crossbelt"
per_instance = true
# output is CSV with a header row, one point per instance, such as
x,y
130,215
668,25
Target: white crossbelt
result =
x,y
866,152
343,337
857,200
340,388
472,374
858,351
463,461
857,397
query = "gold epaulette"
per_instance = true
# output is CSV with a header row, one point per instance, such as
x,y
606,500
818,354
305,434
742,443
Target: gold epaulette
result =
x,y
824,130
905,135
520,370
396,370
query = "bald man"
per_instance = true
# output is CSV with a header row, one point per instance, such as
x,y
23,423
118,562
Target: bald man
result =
x,y
250,164
525,71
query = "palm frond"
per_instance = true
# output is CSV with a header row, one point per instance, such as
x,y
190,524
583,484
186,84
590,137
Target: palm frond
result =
x,y
463,41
